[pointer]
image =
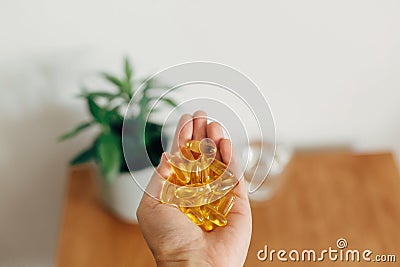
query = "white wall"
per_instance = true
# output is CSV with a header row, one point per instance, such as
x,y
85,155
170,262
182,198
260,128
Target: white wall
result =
x,y
330,70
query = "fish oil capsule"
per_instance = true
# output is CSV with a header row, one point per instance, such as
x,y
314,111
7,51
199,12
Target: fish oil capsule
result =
x,y
191,192
218,167
193,145
186,192
224,185
226,203
213,215
168,192
202,199
205,147
204,165
179,162
228,184
213,176
179,168
194,214
208,148
207,225
187,153
206,176
202,176
183,205
196,174
180,175
215,204
201,184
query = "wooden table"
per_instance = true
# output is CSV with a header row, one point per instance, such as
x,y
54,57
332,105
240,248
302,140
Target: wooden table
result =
x,y
323,197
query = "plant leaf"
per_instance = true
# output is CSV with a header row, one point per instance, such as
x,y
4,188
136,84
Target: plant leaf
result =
x,y
109,155
85,156
128,69
75,131
98,113
154,145
127,89
169,101
112,79
147,85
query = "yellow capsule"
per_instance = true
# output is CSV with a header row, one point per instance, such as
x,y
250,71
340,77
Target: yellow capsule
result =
x,y
206,178
198,182
207,225
193,145
174,159
183,205
215,204
187,153
177,181
207,148
186,170
167,193
186,192
223,185
213,215
179,162
204,162
202,176
227,183
201,199
190,192
182,209
195,174
218,167
180,175
226,203
212,175
195,215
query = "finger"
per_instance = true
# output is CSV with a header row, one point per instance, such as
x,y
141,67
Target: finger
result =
x,y
163,168
199,125
240,215
229,158
214,131
183,132
225,148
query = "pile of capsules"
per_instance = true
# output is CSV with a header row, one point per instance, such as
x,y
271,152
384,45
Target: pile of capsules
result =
x,y
200,185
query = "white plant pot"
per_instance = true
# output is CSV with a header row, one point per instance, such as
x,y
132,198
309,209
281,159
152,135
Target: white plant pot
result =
x,y
123,195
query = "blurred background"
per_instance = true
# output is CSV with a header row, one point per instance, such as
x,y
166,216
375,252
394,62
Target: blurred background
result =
x,y
330,71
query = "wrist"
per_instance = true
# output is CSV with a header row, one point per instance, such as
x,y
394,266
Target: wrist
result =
x,y
186,263
183,259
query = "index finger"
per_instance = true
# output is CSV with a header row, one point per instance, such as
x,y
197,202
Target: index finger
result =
x,y
183,132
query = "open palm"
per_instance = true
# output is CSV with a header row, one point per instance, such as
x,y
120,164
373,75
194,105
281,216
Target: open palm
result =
x,y
177,241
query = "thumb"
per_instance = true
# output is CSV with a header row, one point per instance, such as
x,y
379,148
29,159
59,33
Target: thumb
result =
x,y
154,187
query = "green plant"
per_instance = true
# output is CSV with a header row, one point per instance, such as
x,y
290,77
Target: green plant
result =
x,y
106,110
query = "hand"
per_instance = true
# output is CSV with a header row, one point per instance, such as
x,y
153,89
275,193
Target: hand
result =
x,y
175,240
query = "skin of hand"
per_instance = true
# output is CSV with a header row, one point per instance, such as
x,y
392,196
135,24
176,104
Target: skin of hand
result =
x,y
175,240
